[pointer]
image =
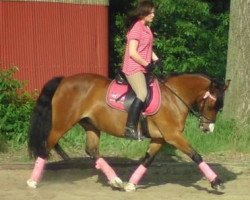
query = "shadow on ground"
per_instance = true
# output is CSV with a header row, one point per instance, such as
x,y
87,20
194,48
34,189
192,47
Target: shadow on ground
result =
x,y
160,173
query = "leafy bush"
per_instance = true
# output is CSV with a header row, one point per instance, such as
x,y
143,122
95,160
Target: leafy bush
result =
x,y
15,108
189,37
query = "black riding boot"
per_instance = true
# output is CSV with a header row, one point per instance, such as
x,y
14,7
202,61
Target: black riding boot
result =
x,y
133,119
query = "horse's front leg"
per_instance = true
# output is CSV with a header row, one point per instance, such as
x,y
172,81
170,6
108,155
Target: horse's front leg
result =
x,y
212,177
112,177
181,143
138,174
92,149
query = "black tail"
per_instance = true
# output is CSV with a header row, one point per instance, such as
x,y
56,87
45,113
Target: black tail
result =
x,y
41,120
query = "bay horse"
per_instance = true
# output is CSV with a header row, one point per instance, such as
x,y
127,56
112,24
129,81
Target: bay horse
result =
x,y
81,98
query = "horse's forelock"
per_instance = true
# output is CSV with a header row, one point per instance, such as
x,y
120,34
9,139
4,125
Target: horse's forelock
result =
x,y
219,87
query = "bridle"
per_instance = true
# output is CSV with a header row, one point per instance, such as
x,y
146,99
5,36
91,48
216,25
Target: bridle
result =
x,y
204,100
200,115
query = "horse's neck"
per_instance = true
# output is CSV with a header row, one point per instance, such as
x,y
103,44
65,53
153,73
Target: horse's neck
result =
x,y
188,87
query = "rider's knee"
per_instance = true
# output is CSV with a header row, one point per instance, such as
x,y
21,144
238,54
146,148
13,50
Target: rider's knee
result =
x,y
142,95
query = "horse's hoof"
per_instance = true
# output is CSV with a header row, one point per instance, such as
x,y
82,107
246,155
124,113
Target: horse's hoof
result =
x,y
31,183
129,187
116,183
217,184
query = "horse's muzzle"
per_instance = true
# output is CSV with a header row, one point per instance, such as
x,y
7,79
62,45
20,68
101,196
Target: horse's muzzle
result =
x,y
207,127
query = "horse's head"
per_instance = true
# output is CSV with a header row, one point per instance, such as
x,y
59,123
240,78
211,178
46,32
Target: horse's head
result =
x,y
211,102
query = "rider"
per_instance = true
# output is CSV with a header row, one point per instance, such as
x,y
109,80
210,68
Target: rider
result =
x,y
139,56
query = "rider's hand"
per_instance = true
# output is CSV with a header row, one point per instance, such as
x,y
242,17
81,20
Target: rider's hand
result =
x,y
151,66
158,63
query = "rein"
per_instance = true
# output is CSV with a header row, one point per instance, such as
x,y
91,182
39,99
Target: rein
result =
x,y
196,114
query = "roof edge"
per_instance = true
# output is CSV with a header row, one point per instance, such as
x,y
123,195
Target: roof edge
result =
x,y
88,2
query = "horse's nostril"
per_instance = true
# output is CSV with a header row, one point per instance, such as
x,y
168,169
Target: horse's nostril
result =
x,y
205,129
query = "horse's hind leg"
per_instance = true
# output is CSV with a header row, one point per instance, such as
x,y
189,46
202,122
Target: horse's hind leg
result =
x,y
154,148
60,125
59,150
92,149
40,163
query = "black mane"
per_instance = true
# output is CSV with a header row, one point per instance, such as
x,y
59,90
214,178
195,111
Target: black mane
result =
x,y
175,74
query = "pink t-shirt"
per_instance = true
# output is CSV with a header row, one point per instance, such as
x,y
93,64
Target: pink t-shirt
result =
x,y
144,36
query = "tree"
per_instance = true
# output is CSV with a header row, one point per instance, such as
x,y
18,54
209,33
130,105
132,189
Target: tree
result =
x,y
190,35
237,101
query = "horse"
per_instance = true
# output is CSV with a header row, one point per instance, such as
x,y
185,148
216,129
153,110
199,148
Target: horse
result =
x,y
81,98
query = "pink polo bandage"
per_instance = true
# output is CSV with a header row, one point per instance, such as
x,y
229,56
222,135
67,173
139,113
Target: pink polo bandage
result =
x,y
208,172
137,175
38,169
106,169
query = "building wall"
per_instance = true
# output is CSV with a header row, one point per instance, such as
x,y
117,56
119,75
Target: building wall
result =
x,y
46,39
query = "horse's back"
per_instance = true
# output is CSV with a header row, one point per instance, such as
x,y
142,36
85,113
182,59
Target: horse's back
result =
x,y
81,86
86,79
83,82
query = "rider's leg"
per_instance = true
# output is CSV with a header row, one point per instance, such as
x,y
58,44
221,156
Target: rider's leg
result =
x,y
138,84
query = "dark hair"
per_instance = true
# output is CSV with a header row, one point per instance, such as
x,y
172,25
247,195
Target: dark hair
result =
x,y
143,9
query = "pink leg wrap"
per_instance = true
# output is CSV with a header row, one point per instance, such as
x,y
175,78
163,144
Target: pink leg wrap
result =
x,y
208,172
106,169
38,169
137,175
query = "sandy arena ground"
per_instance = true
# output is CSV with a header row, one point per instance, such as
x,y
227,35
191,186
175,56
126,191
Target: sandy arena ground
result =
x,y
77,179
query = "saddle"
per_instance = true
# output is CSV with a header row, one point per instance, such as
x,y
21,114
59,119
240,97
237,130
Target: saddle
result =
x,y
120,95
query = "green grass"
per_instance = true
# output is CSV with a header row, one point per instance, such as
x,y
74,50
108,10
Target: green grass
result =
x,y
113,146
3,145
223,139
74,141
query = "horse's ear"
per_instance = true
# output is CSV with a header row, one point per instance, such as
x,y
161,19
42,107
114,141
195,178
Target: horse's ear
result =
x,y
227,84
213,84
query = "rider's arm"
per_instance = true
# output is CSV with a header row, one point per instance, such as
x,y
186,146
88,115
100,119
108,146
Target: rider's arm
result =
x,y
133,53
154,57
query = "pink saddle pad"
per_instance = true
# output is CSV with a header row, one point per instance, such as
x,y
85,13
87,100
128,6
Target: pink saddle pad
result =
x,y
116,96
